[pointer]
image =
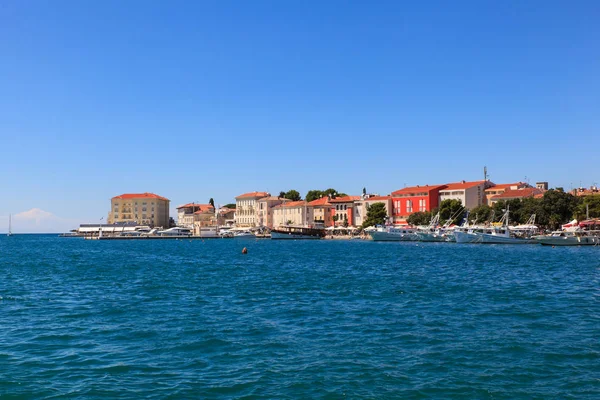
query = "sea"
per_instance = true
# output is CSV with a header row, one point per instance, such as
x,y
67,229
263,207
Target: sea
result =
x,y
328,319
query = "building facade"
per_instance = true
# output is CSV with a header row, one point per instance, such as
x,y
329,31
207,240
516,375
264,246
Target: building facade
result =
x,y
362,207
246,209
323,211
515,194
470,194
345,210
186,213
412,199
140,208
264,210
501,188
295,213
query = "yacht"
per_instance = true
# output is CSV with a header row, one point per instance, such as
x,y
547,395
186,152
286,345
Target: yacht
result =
x,y
394,234
297,232
175,232
9,225
244,235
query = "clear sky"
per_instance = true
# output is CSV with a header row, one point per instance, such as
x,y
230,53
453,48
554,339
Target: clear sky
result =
x,y
200,99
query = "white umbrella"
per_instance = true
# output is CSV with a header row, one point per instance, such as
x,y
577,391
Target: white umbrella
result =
x,y
330,228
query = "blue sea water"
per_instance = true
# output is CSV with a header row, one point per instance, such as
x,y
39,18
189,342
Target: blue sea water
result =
x,y
297,319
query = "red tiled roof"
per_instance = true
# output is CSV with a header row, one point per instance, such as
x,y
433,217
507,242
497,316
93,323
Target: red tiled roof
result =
x,y
140,196
345,199
516,194
203,208
291,204
195,205
323,201
504,186
462,185
418,189
253,194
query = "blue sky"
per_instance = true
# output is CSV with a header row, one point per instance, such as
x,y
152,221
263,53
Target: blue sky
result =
x,y
194,99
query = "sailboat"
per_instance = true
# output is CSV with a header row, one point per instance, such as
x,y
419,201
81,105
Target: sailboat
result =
x,y
9,225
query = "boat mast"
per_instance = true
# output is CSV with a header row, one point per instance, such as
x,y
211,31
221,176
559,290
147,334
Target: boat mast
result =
x,y
9,224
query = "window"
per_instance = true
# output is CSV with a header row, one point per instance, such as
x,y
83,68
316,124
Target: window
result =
x,y
345,206
409,206
422,205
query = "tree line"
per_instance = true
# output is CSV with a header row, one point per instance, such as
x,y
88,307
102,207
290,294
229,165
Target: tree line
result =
x,y
555,208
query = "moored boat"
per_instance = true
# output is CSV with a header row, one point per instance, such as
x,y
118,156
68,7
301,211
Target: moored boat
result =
x,y
570,238
297,232
394,234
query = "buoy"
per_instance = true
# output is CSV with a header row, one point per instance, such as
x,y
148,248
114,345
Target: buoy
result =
x,y
244,251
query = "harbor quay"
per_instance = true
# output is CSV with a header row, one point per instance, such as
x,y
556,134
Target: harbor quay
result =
x,y
463,211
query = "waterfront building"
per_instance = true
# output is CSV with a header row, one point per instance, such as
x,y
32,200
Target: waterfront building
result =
x,y
245,208
345,210
582,192
264,210
186,213
362,207
323,211
140,208
501,188
296,213
470,194
226,216
412,199
516,194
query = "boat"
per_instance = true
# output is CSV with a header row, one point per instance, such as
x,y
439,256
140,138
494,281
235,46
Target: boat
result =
x,y
435,233
570,238
175,232
297,232
499,233
394,234
9,225
244,235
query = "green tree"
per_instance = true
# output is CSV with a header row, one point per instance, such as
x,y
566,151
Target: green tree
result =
x,y
282,195
589,205
376,215
419,218
211,202
230,205
557,208
480,214
330,192
450,208
293,195
364,191
313,195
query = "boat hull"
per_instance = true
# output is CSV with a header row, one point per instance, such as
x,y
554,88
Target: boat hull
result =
x,y
484,238
292,236
568,241
393,237
430,237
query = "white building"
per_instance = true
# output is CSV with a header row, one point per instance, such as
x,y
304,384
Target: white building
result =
x,y
246,208
362,207
470,194
297,213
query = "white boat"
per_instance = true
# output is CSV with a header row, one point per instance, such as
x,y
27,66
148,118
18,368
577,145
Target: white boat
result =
x,y
570,238
297,232
435,233
244,235
498,234
176,231
208,232
394,234
9,225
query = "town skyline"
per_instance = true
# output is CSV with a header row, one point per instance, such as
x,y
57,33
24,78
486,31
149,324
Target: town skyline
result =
x,y
215,99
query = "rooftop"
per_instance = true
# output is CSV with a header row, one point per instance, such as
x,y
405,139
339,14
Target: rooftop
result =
x,y
418,189
462,185
518,193
323,201
253,194
379,198
345,199
195,205
291,204
505,186
140,196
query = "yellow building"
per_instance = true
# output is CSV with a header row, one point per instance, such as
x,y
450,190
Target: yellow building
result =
x,y
142,208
